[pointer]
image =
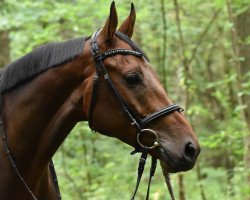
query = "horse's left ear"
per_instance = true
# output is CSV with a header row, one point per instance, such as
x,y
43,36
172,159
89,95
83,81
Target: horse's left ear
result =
x,y
128,25
108,31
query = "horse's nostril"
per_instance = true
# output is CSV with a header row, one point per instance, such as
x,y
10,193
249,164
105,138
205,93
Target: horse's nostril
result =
x,y
190,151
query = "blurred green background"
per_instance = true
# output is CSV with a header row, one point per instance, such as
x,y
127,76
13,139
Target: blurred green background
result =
x,y
201,50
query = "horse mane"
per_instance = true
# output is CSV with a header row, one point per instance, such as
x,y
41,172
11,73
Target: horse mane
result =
x,y
45,57
39,60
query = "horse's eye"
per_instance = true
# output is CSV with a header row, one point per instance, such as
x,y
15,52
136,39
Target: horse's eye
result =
x,y
133,78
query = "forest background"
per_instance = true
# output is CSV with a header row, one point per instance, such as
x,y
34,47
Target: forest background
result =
x,y
201,50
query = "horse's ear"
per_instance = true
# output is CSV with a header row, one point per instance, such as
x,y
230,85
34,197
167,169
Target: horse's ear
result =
x,y
128,25
110,26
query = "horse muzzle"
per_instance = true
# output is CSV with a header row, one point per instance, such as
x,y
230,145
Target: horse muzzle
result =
x,y
176,159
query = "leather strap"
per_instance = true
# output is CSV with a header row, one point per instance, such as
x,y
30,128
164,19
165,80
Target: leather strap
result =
x,y
151,174
165,111
6,148
93,100
55,180
8,153
119,51
141,167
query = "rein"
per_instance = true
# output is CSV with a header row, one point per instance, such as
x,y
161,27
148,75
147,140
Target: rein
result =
x,y
135,120
13,164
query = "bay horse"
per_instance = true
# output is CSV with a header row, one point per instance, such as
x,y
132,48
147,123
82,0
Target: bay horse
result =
x,y
106,80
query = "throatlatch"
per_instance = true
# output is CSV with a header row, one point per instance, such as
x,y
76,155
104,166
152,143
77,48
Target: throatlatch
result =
x,y
136,121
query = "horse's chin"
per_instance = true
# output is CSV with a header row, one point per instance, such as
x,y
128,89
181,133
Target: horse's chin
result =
x,y
167,168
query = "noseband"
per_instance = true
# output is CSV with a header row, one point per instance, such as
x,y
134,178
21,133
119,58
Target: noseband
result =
x,y
136,121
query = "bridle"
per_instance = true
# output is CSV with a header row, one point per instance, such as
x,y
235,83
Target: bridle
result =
x,y
136,121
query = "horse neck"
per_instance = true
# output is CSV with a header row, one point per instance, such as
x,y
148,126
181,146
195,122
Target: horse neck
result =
x,y
39,115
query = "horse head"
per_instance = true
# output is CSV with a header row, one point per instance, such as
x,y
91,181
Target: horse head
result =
x,y
136,86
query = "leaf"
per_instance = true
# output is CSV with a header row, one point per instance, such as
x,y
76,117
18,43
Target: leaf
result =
x,y
240,108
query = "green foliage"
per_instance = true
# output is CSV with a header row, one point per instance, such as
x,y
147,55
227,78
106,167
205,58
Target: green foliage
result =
x,y
98,167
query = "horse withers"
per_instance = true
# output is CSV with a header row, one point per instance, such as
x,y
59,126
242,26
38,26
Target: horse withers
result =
x,y
106,80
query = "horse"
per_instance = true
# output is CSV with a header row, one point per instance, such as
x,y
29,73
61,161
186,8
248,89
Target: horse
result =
x,y
106,80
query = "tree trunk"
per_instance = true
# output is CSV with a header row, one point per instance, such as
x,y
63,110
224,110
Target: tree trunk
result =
x,y
241,48
243,24
4,48
187,76
200,178
181,186
164,45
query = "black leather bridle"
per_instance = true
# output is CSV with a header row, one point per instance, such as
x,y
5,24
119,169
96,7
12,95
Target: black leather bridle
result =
x,y
136,121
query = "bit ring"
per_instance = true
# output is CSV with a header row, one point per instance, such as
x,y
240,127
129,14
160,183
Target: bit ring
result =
x,y
143,131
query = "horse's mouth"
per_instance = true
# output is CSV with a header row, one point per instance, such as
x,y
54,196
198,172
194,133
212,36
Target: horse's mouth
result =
x,y
167,162
173,164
